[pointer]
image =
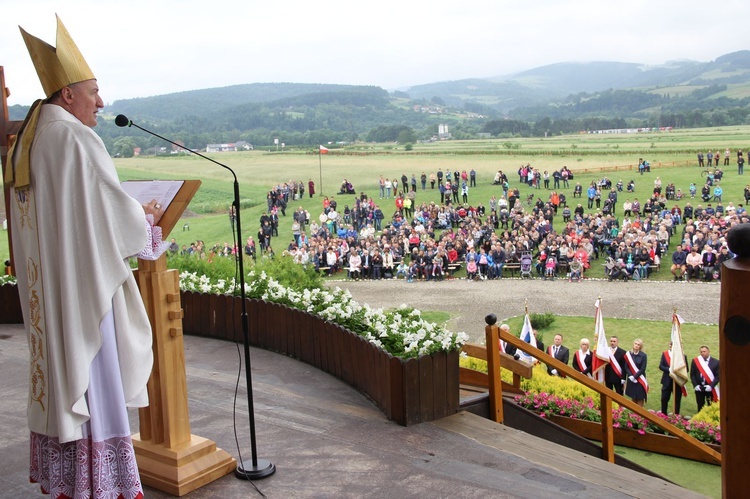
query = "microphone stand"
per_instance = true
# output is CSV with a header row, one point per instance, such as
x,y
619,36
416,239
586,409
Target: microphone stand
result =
x,y
256,468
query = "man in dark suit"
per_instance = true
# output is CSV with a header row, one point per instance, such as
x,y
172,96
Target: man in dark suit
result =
x,y
704,373
559,352
668,384
612,379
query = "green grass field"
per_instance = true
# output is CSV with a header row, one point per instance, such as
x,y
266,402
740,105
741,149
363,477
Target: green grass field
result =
x,y
672,156
699,477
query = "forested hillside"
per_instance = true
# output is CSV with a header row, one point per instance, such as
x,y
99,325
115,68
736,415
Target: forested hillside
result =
x,y
560,98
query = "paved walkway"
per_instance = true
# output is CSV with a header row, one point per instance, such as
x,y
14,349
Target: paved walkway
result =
x,y
468,301
328,440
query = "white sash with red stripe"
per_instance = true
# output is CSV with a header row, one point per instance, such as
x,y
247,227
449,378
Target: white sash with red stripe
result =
x,y
633,369
580,360
614,364
668,356
708,375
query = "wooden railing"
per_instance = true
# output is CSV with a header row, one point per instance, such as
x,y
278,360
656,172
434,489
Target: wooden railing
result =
x,y
477,378
497,361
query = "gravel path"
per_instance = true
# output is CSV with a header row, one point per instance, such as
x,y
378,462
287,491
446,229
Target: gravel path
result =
x,y
468,302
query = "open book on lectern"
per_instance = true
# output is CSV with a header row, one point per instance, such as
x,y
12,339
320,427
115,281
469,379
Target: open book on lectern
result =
x,y
165,199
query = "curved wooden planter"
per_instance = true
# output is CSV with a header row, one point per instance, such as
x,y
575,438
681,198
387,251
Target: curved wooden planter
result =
x,y
652,442
407,391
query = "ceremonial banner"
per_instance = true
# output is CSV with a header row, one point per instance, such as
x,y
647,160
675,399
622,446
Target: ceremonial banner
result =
x,y
527,335
678,369
600,359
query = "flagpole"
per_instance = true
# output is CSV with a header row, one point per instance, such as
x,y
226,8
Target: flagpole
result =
x,y
596,318
320,167
682,348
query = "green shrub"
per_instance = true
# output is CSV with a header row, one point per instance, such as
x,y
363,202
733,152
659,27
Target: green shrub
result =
x,y
218,268
288,273
540,382
709,414
542,321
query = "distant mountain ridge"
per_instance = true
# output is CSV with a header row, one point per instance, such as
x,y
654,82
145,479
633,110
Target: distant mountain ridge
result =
x,y
495,96
172,106
556,81
557,98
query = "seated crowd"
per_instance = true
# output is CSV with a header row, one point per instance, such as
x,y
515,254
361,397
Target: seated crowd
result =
x,y
431,240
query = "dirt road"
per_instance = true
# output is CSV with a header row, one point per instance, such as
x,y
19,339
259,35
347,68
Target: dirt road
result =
x,y
468,302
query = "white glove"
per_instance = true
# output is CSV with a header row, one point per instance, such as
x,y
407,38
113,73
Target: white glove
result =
x,y
708,388
632,379
554,372
698,388
622,381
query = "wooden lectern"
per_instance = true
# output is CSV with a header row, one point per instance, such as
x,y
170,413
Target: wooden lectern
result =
x,y
170,458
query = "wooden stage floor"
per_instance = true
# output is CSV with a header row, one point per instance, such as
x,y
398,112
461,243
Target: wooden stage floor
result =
x,y
328,440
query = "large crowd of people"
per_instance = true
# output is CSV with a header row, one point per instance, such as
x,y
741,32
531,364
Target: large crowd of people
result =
x,y
396,235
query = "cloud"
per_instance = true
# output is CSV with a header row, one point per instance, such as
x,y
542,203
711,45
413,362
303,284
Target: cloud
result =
x,y
141,48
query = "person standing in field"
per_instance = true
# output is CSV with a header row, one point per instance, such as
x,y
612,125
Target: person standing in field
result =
x,y
740,164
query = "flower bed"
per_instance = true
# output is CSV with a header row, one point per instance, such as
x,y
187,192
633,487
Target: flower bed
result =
x,y
402,332
630,429
549,405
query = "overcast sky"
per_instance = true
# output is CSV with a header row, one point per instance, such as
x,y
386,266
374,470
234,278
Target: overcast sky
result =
x,y
140,48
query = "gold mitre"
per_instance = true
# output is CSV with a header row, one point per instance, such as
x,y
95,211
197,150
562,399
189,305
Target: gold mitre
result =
x,y
57,67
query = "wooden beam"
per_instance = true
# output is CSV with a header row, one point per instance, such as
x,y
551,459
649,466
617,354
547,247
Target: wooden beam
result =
x,y
518,367
494,372
608,437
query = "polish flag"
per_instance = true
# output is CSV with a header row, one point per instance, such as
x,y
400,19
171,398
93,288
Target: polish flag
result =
x,y
323,150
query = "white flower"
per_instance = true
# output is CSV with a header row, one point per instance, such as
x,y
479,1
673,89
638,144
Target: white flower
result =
x,y
403,326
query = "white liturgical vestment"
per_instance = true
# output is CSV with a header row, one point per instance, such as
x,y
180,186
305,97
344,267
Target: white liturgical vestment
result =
x,y
73,230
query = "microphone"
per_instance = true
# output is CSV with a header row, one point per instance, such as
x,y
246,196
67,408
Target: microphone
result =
x,y
122,120
255,468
